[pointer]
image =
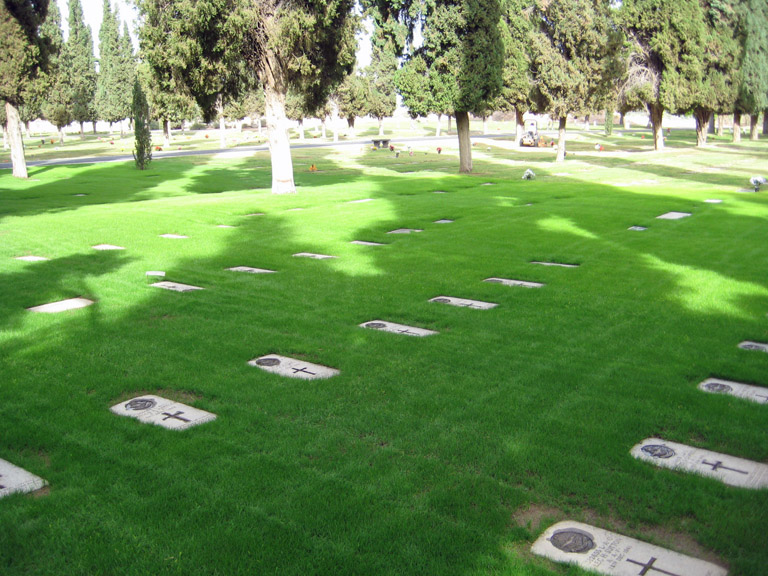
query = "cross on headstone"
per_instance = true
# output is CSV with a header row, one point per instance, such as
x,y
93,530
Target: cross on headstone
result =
x,y
1,486
648,566
303,370
175,416
719,465
406,331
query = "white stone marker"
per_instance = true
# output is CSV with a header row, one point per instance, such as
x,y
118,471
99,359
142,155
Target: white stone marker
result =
x,y
464,303
255,214
613,554
163,412
749,345
251,270
360,201
507,282
107,247
439,192
293,368
62,305
673,216
174,236
747,391
444,221
487,183
560,264
176,286
404,231
80,194
637,228
15,479
155,274
364,243
224,226
384,326
314,256
32,258
713,201
728,469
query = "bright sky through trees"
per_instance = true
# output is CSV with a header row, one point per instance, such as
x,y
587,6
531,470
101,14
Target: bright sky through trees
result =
x,y
92,10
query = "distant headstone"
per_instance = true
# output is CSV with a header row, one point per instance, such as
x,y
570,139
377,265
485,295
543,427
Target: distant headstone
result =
x,y
404,231
444,221
507,282
673,216
31,258
748,345
225,226
487,183
637,228
176,286
559,264
713,201
294,209
251,270
364,243
313,256
464,303
727,469
384,326
162,412
439,192
154,274
62,305
80,194
174,236
107,247
604,552
360,201
717,386
293,368
255,214
15,479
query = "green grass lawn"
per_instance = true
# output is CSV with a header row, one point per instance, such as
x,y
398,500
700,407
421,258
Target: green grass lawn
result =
x,y
442,455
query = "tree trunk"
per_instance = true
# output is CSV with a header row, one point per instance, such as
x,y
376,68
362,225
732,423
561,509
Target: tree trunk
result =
x,y
222,125
437,128
94,127
5,137
449,122
608,127
625,122
737,127
586,122
485,124
765,122
720,125
753,133
702,123
711,128
301,129
61,135
519,126
322,127
381,127
465,146
26,129
279,145
350,127
561,140
656,112
17,143
167,133
82,130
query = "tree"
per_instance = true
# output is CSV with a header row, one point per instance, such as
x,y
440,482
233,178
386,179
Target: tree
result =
x,y
167,101
113,99
218,46
753,85
380,76
57,106
81,66
570,63
353,97
23,54
142,154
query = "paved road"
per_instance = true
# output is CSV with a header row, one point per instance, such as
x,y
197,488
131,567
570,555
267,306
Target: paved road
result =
x,y
245,149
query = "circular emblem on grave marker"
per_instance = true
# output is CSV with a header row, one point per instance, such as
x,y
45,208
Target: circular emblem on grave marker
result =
x,y
494,280
268,361
140,404
752,347
442,300
573,541
718,387
376,325
658,451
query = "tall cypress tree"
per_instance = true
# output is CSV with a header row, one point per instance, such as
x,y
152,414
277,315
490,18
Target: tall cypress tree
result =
x,y
126,73
82,65
753,87
142,154
109,92
57,106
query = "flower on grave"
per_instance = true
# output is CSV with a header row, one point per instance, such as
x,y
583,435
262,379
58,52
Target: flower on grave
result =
x,y
642,136
529,175
601,148
597,146
111,143
439,150
53,141
158,148
757,181
313,168
206,135
391,148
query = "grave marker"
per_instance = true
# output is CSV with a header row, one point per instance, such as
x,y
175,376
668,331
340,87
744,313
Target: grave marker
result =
x,y
507,282
155,274
62,305
174,236
225,226
404,231
439,192
464,303
394,328
444,221
713,201
748,392
749,345
728,469
31,258
560,264
293,368
637,228
487,184
255,214
673,216
15,479
364,243
176,286
107,247
251,270
313,256
360,201
163,412
613,554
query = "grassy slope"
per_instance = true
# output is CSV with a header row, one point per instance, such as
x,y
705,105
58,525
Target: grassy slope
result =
x,y
423,455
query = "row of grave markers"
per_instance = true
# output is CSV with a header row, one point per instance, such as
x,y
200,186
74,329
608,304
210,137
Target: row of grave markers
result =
x,y
571,542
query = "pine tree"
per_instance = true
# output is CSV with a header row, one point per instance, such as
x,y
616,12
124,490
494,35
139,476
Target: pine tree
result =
x,y
110,94
82,66
142,154
352,97
380,76
753,85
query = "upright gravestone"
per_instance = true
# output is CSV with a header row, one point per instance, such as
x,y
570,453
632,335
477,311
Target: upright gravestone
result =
x,y
15,479
162,412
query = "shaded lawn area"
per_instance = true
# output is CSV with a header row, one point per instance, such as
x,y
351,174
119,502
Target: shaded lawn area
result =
x,y
441,455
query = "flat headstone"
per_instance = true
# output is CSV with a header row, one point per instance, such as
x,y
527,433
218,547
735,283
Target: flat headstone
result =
x,y
439,192
15,479
251,270
637,228
604,552
107,247
384,326
32,258
464,303
62,305
508,282
176,286
294,209
162,412
728,469
80,194
748,345
673,216
155,274
404,231
314,256
713,201
360,201
293,368
225,226
747,391
487,184
444,221
559,264
174,236
255,214
364,243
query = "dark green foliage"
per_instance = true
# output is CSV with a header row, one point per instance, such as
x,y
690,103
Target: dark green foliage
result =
x,y
23,49
81,65
142,154
380,76
516,31
352,97
113,97
753,85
